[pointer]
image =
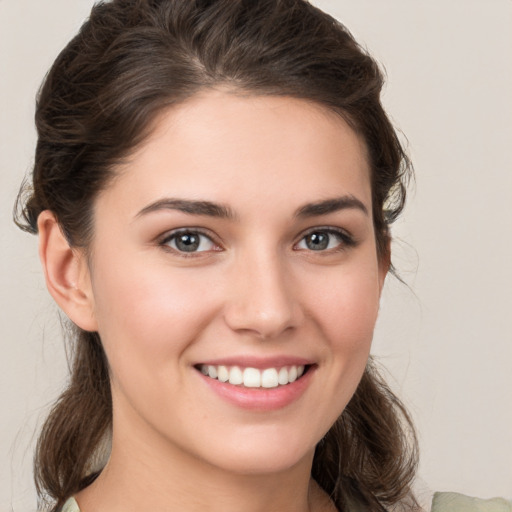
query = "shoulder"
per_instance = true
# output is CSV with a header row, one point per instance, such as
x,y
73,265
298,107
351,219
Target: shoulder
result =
x,y
454,502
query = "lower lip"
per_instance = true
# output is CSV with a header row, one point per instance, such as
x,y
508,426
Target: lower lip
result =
x,y
260,399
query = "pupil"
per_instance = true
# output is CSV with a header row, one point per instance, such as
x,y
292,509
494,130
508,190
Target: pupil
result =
x,y
317,241
187,242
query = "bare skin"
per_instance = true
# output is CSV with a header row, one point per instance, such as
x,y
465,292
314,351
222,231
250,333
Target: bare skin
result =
x,y
253,495
277,176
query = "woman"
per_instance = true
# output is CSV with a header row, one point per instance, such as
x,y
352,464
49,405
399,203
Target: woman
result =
x,y
213,188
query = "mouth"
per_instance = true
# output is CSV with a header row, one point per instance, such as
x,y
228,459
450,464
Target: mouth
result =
x,y
249,377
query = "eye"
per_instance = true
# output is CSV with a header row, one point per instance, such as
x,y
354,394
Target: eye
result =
x,y
189,241
324,240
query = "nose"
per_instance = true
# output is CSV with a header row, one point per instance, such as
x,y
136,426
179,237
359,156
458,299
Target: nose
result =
x,y
262,301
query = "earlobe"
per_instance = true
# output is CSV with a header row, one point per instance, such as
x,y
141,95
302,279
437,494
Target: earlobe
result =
x,y
66,273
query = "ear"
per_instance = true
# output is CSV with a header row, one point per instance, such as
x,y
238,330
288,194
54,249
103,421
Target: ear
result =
x,y
66,272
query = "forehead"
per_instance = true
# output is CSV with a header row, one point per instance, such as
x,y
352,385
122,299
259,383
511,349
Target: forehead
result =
x,y
246,149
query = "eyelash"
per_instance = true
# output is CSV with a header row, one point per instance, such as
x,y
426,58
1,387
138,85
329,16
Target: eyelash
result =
x,y
173,236
345,241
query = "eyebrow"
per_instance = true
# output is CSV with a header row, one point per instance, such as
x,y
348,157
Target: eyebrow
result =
x,y
190,206
330,206
211,209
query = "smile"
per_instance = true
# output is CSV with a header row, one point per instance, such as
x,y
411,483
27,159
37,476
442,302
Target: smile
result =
x,y
253,377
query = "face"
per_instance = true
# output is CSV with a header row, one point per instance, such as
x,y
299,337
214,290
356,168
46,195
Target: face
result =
x,y
236,281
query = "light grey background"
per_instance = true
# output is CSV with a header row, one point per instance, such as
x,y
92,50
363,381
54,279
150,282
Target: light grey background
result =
x,y
446,341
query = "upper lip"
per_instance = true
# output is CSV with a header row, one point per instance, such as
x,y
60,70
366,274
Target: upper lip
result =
x,y
246,361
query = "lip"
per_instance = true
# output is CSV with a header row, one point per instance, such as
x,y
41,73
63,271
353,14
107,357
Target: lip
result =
x,y
258,362
259,399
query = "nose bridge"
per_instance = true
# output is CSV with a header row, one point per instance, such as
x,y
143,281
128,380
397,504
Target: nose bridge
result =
x,y
262,300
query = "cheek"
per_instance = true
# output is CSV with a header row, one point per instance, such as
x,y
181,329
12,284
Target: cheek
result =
x,y
147,321
346,303
344,309
148,314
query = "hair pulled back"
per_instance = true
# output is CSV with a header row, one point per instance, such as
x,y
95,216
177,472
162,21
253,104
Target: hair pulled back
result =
x,y
134,58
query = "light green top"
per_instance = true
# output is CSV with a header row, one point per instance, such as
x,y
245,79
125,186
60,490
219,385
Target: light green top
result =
x,y
70,506
453,502
443,502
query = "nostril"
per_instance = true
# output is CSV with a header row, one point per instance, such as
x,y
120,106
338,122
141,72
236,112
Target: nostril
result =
x,y
261,324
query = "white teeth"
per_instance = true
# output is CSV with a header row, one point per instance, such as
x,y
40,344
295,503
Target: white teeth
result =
x,y
235,376
222,374
252,377
269,378
212,372
283,376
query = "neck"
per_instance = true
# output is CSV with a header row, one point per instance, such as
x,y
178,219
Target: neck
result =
x,y
155,476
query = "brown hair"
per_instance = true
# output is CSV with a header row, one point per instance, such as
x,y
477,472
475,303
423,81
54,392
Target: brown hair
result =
x,y
131,59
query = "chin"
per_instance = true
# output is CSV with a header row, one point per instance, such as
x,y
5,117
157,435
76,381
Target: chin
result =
x,y
263,453
265,463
